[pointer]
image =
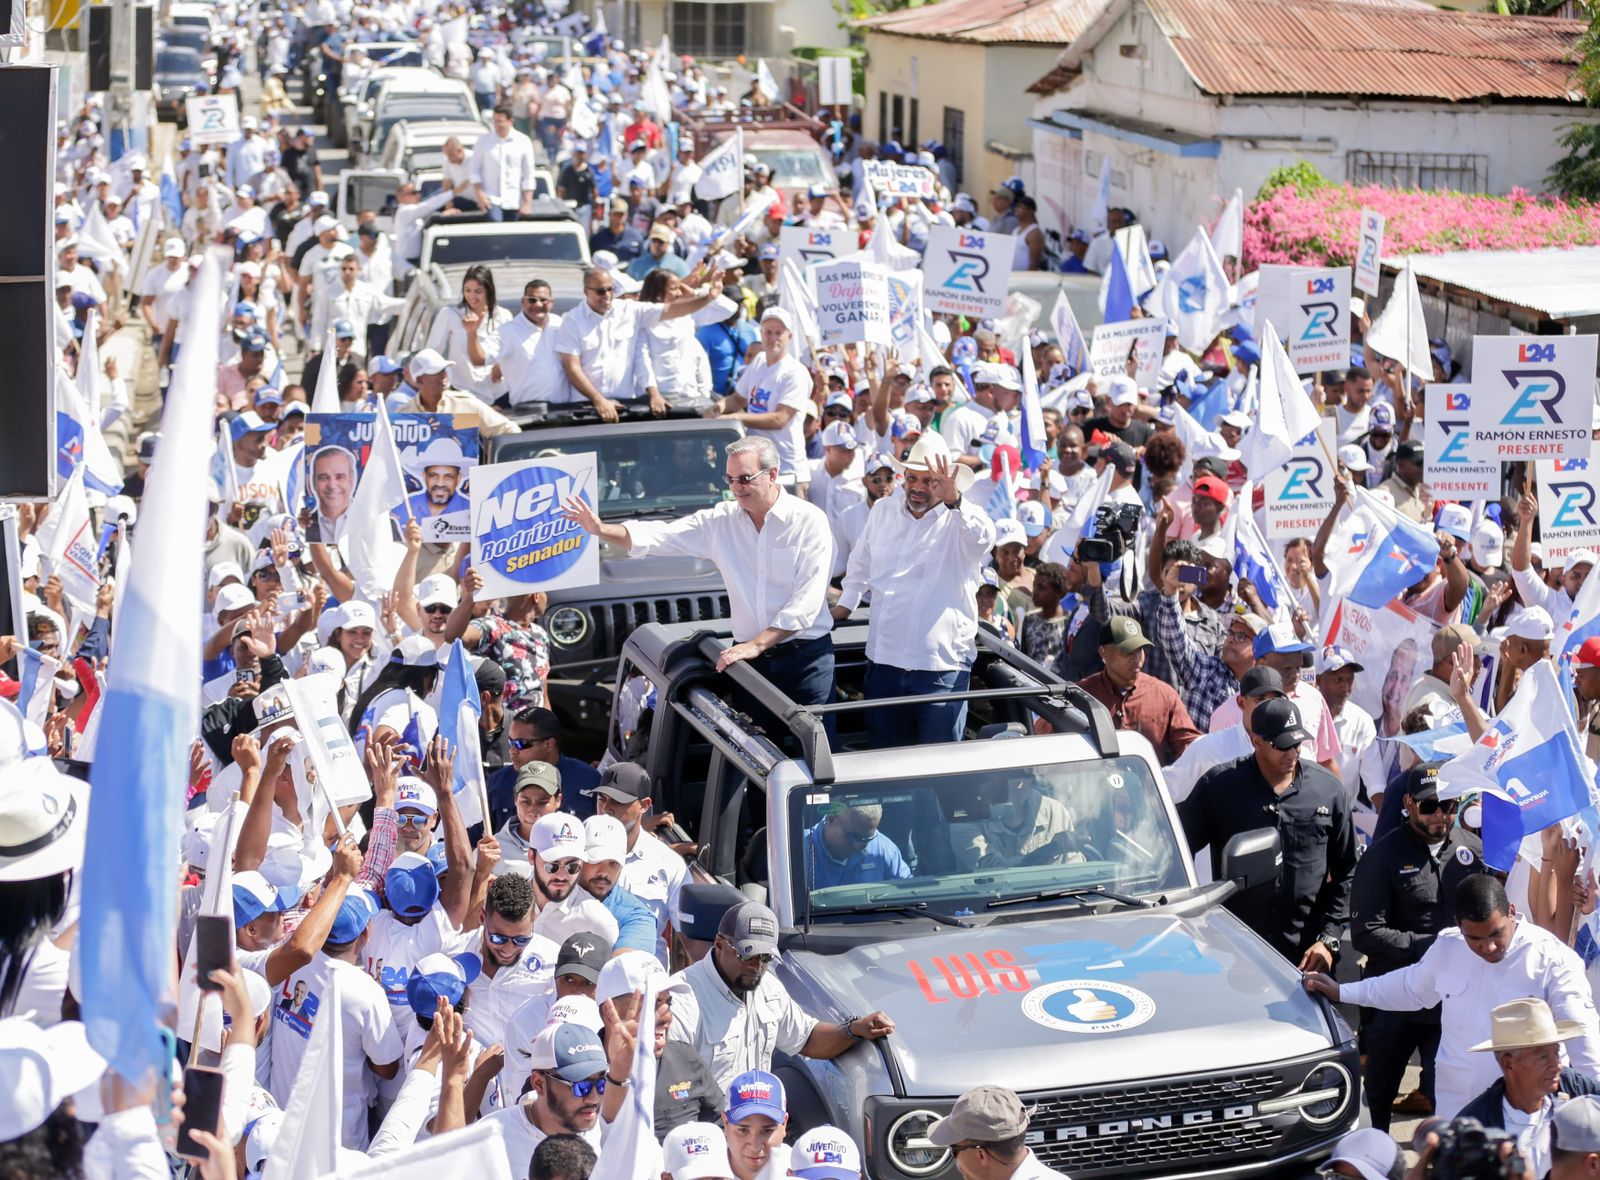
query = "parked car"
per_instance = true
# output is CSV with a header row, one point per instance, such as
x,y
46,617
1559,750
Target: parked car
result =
x,y
178,76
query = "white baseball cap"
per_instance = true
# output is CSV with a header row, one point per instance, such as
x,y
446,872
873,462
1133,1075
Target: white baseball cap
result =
x,y
604,839
1533,624
557,836
1455,519
1122,390
777,313
1489,544
825,1153
428,362
436,589
1353,457
1369,1151
840,434
1009,532
629,972
697,1151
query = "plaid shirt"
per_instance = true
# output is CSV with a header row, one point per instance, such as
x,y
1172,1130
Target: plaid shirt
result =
x,y
1202,679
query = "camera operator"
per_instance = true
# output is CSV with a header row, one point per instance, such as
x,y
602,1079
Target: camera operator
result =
x,y
1102,553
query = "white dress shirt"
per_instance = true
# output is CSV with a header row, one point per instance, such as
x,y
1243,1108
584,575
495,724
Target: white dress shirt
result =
x,y
362,304
670,347
504,167
605,344
734,1034
923,574
448,336
777,577
1537,963
529,367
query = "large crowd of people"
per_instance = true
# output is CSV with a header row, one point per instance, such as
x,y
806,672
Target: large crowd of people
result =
x,y
488,962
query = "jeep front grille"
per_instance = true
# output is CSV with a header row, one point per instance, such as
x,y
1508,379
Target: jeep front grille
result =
x,y
1139,1129
614,621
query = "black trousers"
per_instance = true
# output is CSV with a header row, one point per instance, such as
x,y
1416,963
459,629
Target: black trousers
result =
x,y
1390,1039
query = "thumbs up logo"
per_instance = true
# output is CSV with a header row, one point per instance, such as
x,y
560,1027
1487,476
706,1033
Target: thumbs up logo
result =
x,y
1093,1006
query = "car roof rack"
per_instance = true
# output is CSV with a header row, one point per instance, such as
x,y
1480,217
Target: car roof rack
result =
x,y
1063,703
544,416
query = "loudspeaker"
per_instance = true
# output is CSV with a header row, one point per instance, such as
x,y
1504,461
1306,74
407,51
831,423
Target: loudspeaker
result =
x,y
27,325
99,48
144,47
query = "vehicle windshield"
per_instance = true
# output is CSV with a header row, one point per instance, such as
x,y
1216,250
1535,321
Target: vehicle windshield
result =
x,y
643,473
561,244
795,167
177,61
959,842
191,39
375,193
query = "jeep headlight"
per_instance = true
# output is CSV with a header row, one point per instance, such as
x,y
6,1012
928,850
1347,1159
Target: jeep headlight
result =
x,y
909,1147
1321,1098
567,625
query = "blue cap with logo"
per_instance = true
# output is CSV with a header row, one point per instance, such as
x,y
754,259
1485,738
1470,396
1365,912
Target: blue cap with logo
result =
x,y
411,885
350,923
385,365
756,1092
578,1053
439,977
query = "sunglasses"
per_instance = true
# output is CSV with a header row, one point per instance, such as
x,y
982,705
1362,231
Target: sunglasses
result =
x,y
745,480
568,868
859,839
412,820
524,743
761,959
1434,806
581,1089
513,939
436,608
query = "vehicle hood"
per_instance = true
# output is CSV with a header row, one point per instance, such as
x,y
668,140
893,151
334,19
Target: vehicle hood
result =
x,y
1148,993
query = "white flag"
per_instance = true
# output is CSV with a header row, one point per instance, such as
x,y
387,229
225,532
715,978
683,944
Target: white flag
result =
x,y
308,1142
370,549
1400,332
722,169
216,899
1100,212
1194,294
1228,237
79,440
95,241
325,397
887,252
1284,414
478,1151
68,543
632,1152
1062,543
121,567
764,79
794,296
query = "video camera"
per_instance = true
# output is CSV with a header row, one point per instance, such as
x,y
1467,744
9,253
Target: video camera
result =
x,y
1470,1151
1110,533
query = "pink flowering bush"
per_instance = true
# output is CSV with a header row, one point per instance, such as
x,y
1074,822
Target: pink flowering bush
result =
x,y
1316,224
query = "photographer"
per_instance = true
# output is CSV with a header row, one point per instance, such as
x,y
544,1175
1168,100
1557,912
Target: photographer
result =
x,y
1100,555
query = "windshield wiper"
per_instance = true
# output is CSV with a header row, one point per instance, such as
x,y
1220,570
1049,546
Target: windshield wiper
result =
x,y
917,909
1079,893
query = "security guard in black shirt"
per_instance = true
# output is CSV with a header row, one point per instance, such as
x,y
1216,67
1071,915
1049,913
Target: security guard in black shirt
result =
x,y
1402,898
1304,916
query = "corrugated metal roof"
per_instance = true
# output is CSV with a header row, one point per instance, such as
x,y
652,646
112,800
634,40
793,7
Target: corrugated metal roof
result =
x,y
1558,283
1053,22
1336,47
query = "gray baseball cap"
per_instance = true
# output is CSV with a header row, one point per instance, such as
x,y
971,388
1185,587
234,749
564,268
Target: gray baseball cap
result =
x,y
987,1114
752,928
1577,1124
582,955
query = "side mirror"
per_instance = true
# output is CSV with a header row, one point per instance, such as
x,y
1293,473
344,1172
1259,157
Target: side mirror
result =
x,y
1252,859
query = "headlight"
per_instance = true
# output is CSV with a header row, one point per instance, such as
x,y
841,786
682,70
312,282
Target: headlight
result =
x,y
1322,1097
908,1145
567,625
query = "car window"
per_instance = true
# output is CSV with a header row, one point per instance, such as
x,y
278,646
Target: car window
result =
x,y
795,167
666,474
961,841
177,61
555,245
375,193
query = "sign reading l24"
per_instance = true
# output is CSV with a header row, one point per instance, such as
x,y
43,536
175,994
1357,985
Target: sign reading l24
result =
x,y
1532,397
966,272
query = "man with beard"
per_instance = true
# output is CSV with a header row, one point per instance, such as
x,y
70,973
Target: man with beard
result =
x,y
685,1089
736,1014
605,849
651,871
556,850
569,1086
516,961
439,505
574,978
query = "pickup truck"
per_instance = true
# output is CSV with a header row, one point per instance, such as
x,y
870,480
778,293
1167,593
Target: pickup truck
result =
x,y
1047,933
782,137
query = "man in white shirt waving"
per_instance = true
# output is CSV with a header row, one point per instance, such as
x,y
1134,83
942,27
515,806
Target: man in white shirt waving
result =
x,y
920,558
502,169
772,550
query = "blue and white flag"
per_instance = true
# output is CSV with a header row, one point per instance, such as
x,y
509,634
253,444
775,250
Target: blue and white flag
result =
x,y
1194,294
171,194
79,441
1376,554
37,673
1252,557
150,714
1035,447
1582,622
459,711
1116,295
632,1152
1074,349
1529,766
1283,414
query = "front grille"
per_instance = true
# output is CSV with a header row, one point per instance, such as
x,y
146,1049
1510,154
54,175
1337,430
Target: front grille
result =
x,y
613,622
1137,1129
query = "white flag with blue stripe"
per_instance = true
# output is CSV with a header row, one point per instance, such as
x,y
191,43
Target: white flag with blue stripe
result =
x,y
37,673
459,710
150,714
79,441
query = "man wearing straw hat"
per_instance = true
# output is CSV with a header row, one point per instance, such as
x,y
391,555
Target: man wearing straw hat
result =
x,y
1526,1038
920,557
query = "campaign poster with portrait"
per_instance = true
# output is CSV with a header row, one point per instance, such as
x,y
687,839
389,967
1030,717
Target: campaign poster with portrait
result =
x,y
437,455
1393,645
522,541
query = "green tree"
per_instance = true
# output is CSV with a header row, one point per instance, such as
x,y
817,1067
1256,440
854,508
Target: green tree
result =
x,y
1577,174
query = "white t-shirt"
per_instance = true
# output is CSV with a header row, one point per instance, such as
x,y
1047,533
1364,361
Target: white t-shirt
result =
x,y
44,983
522,1138
766,387
369,1033
393,950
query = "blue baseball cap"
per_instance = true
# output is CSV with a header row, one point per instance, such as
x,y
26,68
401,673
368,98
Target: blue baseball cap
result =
x,y
1279,639
246,307
254,895
1241,332
385,364
1247,352
756,1092
436,858
440,976
254,342
358,908
578,1053
768,253
269,395
411,886
248,422
344,330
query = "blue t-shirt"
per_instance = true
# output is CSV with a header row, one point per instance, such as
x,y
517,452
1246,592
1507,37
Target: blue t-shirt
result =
x,y
627,245
636,925
725,347
880,860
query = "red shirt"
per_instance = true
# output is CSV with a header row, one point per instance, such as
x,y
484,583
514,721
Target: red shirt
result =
x,y
643,128
1152,707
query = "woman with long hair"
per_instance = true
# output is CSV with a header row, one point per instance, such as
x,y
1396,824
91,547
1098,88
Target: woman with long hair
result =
x,y
468,333
351,382
397,700
678,367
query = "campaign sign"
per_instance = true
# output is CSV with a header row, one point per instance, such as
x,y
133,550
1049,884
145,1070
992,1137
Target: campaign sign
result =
x,y
905,309
521,540
437,454
1448,468
1369,252
1299,495
899,180
1532,397
1394,645
1310,305
1569,516
806,246
965,272
1113,344
213,119
852,303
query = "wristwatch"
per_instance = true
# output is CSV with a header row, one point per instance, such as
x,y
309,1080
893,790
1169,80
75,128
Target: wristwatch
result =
x,y
848,1021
